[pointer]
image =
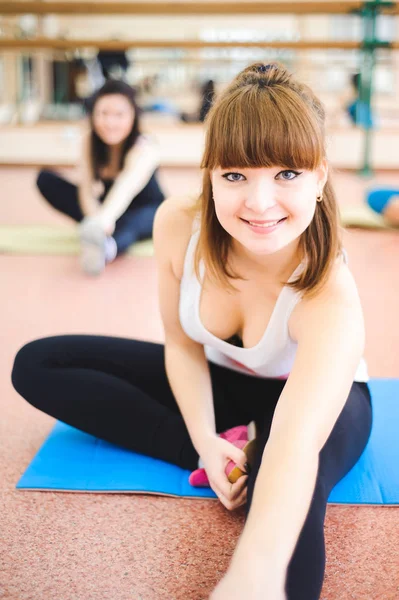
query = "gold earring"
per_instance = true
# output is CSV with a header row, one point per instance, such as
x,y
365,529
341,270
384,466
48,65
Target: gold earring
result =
x,y
320,197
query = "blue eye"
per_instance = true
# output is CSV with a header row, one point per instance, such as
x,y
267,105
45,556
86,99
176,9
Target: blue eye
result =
x,y
233,177
289,172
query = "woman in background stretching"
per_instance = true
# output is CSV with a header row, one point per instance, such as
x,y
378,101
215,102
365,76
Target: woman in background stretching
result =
x,y
118,194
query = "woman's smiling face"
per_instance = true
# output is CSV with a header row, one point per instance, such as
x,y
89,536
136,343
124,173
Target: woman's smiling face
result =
x,y
113,118
265,209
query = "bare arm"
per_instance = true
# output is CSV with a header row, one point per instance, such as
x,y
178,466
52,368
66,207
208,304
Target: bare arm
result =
x,y
330,334
140,163
88,202
186,364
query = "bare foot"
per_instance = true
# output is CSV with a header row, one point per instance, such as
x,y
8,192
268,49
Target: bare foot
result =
x,y
391,211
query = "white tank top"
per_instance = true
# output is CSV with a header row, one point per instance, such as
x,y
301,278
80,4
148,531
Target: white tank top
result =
x,y
272,357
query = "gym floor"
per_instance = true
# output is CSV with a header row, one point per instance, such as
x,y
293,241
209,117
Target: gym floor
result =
x,y
141,547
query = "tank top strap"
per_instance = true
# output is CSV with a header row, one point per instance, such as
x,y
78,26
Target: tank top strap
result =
x,y
191,248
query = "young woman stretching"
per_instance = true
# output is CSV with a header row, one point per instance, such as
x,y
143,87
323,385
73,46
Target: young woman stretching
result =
x,y
118,193
262,323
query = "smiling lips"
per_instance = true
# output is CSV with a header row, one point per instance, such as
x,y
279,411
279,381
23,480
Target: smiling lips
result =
x,y
264,224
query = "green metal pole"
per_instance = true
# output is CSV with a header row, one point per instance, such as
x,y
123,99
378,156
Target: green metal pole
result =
x,y
370,13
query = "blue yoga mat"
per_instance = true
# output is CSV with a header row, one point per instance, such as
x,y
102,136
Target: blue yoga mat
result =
x,y
378,198
70,460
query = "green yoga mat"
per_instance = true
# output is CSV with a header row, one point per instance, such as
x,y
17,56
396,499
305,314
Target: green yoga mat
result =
x,y
362,216
50,240
63,241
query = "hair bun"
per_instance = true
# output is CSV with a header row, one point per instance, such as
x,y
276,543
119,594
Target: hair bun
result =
x,y
263,75
263,68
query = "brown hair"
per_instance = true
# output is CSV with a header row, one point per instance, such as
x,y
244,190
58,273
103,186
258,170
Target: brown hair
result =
x,y
266,118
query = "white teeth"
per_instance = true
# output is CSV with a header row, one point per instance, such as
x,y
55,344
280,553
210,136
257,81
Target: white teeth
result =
x,y
263,224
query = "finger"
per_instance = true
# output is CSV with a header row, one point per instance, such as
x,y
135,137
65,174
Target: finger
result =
x,y
222,489
229,496
221,485
238,457
227,503
223,499
242,499
228,489
238,487
244,486
221,482
238,495
233,504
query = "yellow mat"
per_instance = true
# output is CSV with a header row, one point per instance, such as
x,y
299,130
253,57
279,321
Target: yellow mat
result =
x,y
362,216
50,240
63,241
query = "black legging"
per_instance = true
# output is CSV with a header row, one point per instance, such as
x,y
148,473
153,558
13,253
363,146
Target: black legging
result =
x,y
136,222
117,389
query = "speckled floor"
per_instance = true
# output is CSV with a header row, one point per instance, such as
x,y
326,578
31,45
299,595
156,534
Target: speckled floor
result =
x,y
57,546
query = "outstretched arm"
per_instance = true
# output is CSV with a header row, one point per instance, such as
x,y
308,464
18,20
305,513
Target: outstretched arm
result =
x,y
330,334
140,164
88,201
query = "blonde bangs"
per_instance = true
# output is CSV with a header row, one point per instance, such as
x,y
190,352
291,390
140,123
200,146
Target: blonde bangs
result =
x,y
263,127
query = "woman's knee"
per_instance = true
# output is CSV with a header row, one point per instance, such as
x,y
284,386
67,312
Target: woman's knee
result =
x,y
45,181
27,364
59,193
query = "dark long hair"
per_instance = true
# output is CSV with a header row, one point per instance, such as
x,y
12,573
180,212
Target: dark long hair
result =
x,y
99,150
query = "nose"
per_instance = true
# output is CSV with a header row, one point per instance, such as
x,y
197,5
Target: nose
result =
x,y
260,196
110,121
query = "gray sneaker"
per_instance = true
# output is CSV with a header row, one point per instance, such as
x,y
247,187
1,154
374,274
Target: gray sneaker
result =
x,y
93,242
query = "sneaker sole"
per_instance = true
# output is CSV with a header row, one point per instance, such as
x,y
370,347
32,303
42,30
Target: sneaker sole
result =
x,y
252,432
93,250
